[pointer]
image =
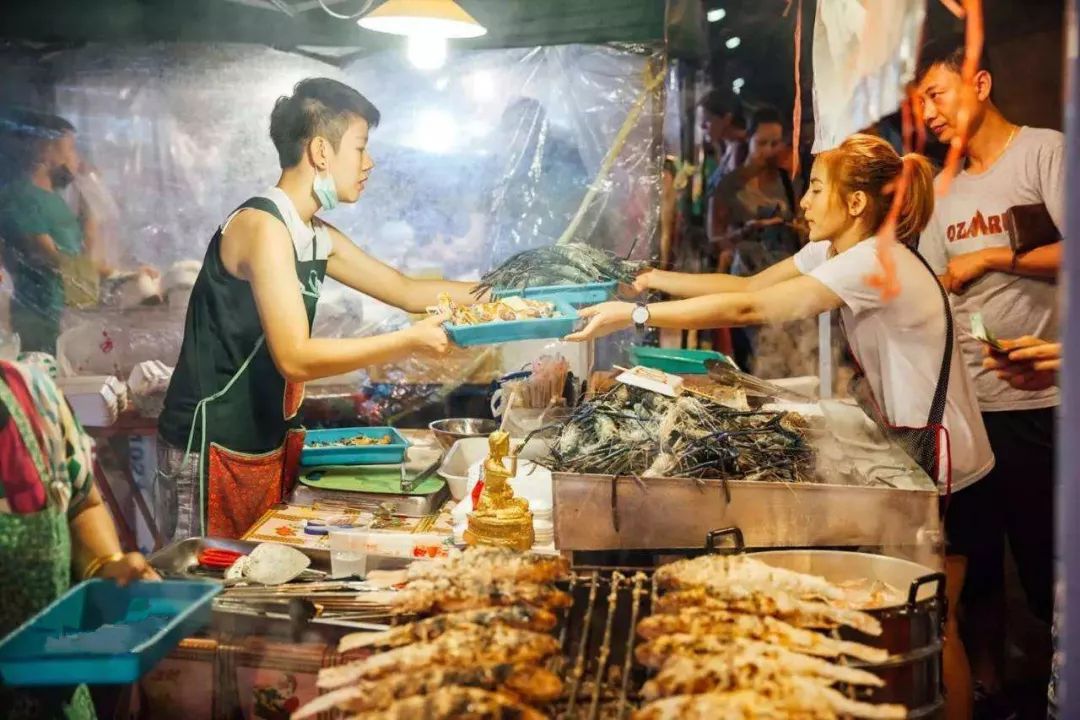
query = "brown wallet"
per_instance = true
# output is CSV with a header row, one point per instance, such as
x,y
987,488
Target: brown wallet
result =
x,y
1030,227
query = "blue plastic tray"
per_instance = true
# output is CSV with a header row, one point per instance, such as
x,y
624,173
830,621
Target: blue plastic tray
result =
x,y
360,455
511,330
146,621
585,294
676,361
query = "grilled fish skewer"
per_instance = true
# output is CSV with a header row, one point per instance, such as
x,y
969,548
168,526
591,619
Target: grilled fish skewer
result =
x,y
427,596
801,613
523,617
744,665
790,698
743,575
454,703
770,630
529,684
469,645
481,563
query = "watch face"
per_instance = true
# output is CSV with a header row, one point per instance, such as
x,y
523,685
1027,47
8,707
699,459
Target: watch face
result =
x,y
640,315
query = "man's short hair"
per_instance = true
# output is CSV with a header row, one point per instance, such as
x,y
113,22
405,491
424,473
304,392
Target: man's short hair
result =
x,y
947,51
318,107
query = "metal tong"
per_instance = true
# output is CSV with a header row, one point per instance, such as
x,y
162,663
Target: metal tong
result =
x,y
721,372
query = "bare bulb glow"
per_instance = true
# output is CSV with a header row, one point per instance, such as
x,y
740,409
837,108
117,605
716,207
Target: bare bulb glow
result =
x,y
426,52
716,15
733,42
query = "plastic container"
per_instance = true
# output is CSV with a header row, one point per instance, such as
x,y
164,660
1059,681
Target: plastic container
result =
x,y
583,294
675,360
510,330
353,455
348,552
132,628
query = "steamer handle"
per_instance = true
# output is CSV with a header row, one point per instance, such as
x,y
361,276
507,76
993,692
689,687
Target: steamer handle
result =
x,y
913,591
714,538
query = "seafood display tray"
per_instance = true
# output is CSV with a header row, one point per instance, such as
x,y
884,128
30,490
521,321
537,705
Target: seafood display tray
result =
x,y
512,330
601,512
181,558
580,294
353,455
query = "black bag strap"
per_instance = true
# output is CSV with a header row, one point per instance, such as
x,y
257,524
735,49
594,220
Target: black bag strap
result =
x,y
941,392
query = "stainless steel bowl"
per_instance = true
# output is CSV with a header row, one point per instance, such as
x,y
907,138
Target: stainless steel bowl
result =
x,y
449,431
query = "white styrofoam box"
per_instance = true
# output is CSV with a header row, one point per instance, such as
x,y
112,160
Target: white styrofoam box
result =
x,y
95,400
466,452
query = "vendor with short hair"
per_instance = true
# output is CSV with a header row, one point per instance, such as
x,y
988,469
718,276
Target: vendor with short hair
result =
x,y
229,441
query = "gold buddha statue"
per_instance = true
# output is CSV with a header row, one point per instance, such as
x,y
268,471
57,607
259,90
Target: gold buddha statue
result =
x,y
499,518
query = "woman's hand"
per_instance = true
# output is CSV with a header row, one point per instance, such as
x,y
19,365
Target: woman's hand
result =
x,y
1028,363
642,283
603,319
129,568
428,336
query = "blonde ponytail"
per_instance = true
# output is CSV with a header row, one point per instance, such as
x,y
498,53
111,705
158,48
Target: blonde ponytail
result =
x,y
918,202
870,164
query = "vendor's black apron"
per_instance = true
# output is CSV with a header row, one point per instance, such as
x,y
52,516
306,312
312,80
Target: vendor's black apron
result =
x,y
227,401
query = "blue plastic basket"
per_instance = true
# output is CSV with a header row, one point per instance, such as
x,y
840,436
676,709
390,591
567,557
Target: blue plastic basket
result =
x,y
511,330
134,628
584,294
358,455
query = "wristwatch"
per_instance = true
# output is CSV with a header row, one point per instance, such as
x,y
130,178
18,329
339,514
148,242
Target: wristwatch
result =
x,y
640,315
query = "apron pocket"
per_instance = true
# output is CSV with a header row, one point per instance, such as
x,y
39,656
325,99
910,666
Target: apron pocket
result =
x,y
243,486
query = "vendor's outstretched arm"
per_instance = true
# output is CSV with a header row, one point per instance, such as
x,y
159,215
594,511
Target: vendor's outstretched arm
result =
x,y
685,285
801,297
353,267
266,262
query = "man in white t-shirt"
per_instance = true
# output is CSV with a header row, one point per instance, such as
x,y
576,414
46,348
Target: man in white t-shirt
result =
x,y
967,244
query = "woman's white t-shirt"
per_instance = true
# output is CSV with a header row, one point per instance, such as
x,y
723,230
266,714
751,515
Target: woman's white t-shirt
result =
x,y
899,344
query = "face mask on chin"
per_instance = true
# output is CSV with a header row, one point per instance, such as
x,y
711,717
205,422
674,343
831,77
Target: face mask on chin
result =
x,y
325,190
61,177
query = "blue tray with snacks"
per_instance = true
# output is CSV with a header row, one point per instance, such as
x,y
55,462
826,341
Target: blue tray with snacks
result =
x,y
676,361
325,447
501,331
99,633
583,294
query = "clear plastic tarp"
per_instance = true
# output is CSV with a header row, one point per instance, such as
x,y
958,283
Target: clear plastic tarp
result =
x,y
491,154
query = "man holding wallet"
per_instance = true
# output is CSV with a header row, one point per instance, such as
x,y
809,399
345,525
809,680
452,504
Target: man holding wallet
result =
x,y
995,241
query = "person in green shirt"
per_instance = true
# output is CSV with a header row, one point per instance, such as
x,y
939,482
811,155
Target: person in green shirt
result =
x,y
47,248
39,231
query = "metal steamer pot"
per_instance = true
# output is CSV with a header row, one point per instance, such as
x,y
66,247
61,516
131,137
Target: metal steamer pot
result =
x,y
912,631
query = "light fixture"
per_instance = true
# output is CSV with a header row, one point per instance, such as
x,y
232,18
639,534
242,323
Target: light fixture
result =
x,y
737,85
426,52
427,18
716,15
733,42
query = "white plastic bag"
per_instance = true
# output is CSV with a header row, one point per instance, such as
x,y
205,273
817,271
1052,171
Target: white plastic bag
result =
x,y
864,57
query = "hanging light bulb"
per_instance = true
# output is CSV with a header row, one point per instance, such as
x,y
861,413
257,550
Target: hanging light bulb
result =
x,y
428,18
426,52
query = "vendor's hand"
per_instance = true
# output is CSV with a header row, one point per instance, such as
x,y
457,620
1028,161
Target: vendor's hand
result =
x,y
428,336
127,569
642,283
149,271
603,319
1028,363
964,270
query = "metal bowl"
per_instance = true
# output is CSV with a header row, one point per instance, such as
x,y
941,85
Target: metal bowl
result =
x,y
449,431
